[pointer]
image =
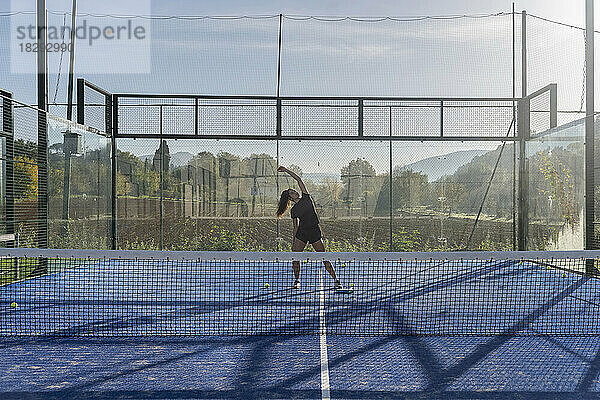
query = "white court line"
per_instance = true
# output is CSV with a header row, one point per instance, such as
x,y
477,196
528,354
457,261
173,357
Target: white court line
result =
x,y
325,393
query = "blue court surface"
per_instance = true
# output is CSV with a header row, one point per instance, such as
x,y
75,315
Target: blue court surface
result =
x,y
188,329
289,367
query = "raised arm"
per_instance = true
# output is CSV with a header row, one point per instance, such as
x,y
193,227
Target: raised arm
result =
x,y
295,176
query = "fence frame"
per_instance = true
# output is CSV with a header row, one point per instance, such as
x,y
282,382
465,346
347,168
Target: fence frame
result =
x,y
279,104
520,132
523,136
109,106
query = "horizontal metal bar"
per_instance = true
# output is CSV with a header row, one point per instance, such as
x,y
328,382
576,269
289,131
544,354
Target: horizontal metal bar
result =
x,y
269,105
190,96
75,125
509,106
315,98
328,138
66,104
96,88
200,105
546,138
6,93
546,88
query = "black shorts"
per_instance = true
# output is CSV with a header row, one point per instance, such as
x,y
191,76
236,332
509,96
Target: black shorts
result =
x,y
311,235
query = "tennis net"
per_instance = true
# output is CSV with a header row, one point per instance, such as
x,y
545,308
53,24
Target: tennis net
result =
x,y
48,292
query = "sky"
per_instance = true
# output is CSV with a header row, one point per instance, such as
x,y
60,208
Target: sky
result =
x,y
569,11
428,58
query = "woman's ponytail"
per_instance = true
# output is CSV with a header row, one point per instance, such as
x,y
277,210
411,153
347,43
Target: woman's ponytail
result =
x,y
284,203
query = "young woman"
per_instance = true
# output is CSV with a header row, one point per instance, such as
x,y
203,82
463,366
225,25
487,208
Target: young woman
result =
x,y
306,225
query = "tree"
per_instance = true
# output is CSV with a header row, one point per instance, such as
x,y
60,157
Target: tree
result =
x,y
26,177
357,178
162,152
409,189
123,185
334,191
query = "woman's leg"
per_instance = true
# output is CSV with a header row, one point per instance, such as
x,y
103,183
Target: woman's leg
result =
x,y
320,247
297,245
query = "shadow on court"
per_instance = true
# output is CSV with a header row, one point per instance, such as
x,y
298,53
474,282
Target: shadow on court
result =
x,y
276,367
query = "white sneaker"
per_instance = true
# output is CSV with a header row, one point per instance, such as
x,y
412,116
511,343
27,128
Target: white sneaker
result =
x,y
296,284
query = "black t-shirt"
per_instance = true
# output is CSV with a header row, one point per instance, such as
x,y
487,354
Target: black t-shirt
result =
x,y
304,210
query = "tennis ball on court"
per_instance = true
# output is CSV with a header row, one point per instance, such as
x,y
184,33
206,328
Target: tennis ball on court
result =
x,y
267,285
352,285
14,304
564,275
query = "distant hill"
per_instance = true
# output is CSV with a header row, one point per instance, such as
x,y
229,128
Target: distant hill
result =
x,y
433,167
438,166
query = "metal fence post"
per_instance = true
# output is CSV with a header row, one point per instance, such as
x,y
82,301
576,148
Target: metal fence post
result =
x,y
553,106
81,101
109,119
590,242
391,186
42,144
442,118
8,130
113,158
523,133
523,114
360,117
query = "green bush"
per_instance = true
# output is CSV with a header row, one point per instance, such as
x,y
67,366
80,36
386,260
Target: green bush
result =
x,y
402,240
218,238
